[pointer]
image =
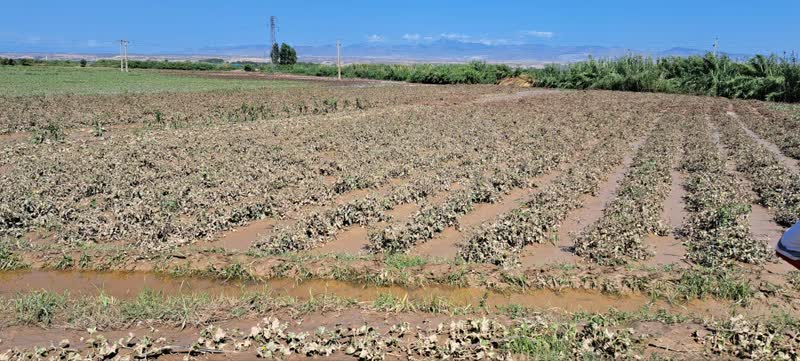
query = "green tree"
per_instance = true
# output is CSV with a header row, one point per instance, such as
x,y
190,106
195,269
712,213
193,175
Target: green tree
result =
x,y
275,54
288,55
83,63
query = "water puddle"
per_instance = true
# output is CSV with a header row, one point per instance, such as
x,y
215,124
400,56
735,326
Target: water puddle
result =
x,y
445,244
242,238
351,240
669,249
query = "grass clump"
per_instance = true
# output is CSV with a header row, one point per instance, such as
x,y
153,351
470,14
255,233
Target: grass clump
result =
x,y
9,260
403,261
37,308
720,283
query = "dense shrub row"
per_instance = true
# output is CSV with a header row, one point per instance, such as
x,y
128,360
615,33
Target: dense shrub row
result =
x,y
762,77
30,62
472,73
161,64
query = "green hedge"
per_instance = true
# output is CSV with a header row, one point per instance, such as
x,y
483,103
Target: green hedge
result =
x,y
472,73
761,77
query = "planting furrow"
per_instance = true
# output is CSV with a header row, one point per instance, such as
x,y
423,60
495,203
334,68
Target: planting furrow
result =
x,y
717,230
432,220
779,128
618,236
501,242
445,244
776,186
560,249
668,248
478,172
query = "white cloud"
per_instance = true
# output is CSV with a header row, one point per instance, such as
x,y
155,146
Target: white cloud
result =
x,y
539,34
455,36
459,37
375,38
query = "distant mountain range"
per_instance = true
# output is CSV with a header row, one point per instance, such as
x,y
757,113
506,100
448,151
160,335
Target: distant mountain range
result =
x,y
440,51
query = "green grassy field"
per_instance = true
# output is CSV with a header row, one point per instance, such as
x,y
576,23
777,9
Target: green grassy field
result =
x,y
26,81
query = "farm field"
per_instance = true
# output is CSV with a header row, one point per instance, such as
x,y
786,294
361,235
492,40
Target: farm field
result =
x,y
228,217
41,81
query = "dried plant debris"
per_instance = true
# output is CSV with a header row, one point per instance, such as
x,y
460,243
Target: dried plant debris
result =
x,y
752,340
618,236
466,339
776,186
500,242
318,228
777,125
717,230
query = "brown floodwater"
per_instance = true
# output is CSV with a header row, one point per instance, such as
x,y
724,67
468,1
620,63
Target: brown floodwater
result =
x,y
669,249
126,285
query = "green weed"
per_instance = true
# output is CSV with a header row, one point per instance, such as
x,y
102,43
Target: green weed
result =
x,y
37,307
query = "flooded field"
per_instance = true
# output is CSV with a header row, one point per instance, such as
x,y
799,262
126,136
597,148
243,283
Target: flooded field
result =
x,y
368,220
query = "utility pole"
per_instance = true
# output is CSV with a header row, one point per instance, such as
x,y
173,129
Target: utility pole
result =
x,y
716,43
339,58
123,56
273,26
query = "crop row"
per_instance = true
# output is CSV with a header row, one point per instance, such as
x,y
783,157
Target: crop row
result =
x,y
717,230
500,242
776,186
164,187
181,109
636,211
171,187
485,181
434,218
775,126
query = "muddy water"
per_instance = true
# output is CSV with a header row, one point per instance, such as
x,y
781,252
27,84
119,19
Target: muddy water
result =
x,y
242,238
129,285
445,245
546,254
669,249
351,240
764,228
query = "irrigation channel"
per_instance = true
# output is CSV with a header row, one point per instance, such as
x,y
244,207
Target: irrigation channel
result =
x,y
128,285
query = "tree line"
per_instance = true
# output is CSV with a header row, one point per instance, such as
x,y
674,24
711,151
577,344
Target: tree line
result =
x,y
771,78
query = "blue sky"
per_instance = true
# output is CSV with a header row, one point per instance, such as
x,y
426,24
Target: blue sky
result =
x,y
164,26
